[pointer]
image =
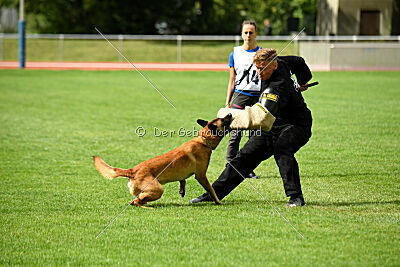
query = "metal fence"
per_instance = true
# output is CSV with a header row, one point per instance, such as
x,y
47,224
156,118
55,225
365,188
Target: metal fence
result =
x,y
179,38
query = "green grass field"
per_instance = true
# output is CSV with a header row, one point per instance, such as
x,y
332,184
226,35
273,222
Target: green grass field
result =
x,y
53,202
135,50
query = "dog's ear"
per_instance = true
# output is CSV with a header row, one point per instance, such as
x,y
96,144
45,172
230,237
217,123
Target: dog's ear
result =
x,y
202,123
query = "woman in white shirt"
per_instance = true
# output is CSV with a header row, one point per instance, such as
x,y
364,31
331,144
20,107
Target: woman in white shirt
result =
x,y
244,85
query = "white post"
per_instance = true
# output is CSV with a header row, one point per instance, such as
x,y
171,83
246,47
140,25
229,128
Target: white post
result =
x,y
1,45
179,48
237,40
61,47
120,44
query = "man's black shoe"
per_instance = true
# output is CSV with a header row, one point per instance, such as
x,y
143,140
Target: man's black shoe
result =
x,y
252,175
203,198
296,201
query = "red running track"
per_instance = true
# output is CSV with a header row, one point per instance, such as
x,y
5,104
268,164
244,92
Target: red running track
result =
x,y
116,66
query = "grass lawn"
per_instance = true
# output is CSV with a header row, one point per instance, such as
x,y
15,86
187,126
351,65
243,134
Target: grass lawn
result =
x,y
53,202
135,50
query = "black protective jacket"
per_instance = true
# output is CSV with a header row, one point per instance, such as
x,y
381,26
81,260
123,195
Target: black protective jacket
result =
x,y
281,95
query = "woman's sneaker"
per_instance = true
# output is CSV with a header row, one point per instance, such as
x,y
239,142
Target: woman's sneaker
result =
x,y
297,201
252,175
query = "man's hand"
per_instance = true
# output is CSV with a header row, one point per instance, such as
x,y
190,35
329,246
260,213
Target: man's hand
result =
x,y
307,85
303,87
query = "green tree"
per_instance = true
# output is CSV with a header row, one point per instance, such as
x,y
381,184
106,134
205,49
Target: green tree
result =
x,y
164,16
278,11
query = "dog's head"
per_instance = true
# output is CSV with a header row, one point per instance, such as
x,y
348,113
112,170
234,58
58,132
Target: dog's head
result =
x,y
217,127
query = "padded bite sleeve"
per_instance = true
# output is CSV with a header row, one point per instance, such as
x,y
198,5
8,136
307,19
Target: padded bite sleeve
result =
x,y
251,118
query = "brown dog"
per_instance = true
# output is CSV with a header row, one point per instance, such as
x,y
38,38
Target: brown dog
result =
x,y
193,157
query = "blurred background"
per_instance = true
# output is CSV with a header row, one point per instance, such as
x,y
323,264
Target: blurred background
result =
x,y
203,30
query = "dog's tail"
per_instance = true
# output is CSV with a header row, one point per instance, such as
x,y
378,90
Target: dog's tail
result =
x,y
110,172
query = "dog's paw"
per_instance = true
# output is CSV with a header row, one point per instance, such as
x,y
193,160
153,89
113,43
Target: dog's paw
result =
x,y
182,193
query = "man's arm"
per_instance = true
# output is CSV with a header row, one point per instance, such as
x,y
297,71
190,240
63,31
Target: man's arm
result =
x,y
299,68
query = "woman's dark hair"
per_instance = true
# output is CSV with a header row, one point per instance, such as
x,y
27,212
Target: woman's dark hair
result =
x,y
250,22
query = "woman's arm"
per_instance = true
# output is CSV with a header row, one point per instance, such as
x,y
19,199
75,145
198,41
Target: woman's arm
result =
x,y
231,86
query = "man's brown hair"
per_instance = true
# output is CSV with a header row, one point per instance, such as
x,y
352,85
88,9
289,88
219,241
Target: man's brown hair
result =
x,y
265,55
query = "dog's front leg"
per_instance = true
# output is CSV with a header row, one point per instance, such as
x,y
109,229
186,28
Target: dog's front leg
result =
x,y
202,179
182,184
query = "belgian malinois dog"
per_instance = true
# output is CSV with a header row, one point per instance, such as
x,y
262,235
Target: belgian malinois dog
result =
x,y
146,178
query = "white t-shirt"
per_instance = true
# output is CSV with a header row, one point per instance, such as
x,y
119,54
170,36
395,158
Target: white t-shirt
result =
x,y
246,75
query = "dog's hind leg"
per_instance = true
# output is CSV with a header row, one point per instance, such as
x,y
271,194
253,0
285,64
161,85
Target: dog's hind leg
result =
x,y
182,184
139,203
151,192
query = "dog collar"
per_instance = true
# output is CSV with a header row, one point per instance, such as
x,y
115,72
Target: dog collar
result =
x,y
208,142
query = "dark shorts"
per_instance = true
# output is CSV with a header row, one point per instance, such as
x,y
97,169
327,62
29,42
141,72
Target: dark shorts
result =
x,y
239,101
